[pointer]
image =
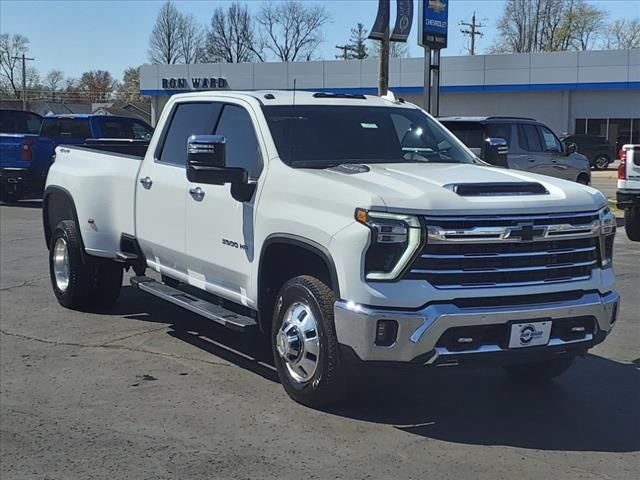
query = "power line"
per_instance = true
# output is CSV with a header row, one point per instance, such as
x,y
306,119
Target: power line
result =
x,y
472,32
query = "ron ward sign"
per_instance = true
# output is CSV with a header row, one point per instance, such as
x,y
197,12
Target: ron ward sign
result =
x,y
433,20
195,83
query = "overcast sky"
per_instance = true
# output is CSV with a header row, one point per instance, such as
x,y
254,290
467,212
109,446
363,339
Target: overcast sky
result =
x,y
80,35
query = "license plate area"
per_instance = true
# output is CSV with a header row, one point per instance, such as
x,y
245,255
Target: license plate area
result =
x,y
530,334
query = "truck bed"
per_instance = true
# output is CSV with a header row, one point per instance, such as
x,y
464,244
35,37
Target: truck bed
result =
x,y
103,186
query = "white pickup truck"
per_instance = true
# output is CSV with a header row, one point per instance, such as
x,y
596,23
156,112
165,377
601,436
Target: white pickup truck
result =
x,y
628,194
356,231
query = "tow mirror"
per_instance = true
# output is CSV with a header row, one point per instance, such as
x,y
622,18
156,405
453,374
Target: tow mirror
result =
x,y
570,148
495,151
206,162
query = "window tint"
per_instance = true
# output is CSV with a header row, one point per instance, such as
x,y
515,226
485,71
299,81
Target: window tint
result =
x,y
469,133
528,138
242,148
551,143
499,130
66,127
124,128
188,119
19,122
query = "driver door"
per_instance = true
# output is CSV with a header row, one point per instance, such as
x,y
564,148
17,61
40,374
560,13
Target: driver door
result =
x,y
556,164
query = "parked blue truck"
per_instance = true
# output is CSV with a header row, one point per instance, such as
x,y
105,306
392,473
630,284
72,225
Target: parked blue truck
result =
x,y
28,142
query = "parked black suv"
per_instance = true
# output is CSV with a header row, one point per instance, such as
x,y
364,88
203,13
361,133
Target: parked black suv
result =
x,y
532,146
596,148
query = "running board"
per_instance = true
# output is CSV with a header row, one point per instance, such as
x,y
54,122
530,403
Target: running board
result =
x,y
206,309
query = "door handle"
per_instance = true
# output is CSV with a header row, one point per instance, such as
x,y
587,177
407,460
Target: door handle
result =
x,y
197,193
146,182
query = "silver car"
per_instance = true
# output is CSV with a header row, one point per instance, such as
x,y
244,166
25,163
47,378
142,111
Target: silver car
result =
x,y
531,146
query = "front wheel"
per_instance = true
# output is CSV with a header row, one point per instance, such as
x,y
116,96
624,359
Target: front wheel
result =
x,y
539,371
632,223
304,343
583,179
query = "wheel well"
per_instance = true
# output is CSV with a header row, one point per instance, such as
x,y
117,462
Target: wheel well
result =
x,y
57,206
284,259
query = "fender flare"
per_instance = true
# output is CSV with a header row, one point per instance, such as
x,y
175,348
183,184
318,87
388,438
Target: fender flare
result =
x,y
72,212
307,244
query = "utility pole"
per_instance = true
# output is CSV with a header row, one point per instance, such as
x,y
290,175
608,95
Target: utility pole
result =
x,y
472,32
345,51
383,79
24,78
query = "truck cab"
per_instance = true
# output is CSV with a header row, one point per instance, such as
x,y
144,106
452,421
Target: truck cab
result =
x,y
353,231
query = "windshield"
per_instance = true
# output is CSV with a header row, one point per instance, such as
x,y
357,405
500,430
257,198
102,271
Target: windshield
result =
x,y
320,136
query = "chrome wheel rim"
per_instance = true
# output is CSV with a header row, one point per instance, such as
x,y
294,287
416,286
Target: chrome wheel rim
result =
x,y
298,342
601,163
61,265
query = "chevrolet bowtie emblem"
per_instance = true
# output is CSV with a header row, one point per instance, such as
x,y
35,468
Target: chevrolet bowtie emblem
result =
x,y
526,232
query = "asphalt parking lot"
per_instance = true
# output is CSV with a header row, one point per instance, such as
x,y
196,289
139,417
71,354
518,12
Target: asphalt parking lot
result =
x,y
149,391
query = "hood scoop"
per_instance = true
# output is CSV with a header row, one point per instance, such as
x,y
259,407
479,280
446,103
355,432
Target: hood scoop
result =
x,y
497,189
351,168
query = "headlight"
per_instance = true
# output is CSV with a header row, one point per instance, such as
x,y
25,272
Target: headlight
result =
x,y
394,241
607,236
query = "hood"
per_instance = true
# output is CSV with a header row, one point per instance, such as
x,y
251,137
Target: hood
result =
x,y
430,188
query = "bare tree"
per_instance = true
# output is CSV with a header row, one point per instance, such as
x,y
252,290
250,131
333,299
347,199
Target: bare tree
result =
x,y
96,85
293,29
396,49
548,25
53,81
191,39
587,24
165,45
12,47
232,37
623,34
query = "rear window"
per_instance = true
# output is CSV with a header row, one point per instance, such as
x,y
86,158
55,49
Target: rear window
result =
x,y
469,133
66,127
124,128
20,122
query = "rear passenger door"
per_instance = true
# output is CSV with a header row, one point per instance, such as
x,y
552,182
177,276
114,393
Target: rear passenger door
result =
x,y
162,190
529,155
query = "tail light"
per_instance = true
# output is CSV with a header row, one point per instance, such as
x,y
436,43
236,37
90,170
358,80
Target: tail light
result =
x,y
622,168
27,151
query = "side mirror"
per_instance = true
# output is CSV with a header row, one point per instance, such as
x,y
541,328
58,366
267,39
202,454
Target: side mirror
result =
x,y
495,152
206,162
570,148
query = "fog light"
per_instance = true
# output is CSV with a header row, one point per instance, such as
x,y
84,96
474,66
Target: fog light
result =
x,y
386,333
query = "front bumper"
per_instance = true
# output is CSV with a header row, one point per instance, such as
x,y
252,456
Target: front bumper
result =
x,y
419,332
628,198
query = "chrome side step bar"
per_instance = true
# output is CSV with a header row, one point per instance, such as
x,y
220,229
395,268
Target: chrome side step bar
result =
x,y
209,310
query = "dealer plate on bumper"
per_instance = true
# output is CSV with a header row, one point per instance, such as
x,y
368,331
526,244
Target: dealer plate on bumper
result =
x,y
529,334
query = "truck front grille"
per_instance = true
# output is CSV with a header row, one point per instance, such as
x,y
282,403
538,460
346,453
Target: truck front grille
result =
x,y
483,251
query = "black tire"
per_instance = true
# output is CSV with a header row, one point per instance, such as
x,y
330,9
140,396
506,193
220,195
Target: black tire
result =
x,y
91,282
583,179
632,223
107,282
75,294
601,162
328,383
539,371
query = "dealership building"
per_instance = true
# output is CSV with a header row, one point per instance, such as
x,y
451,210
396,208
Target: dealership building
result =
x,y
594,92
